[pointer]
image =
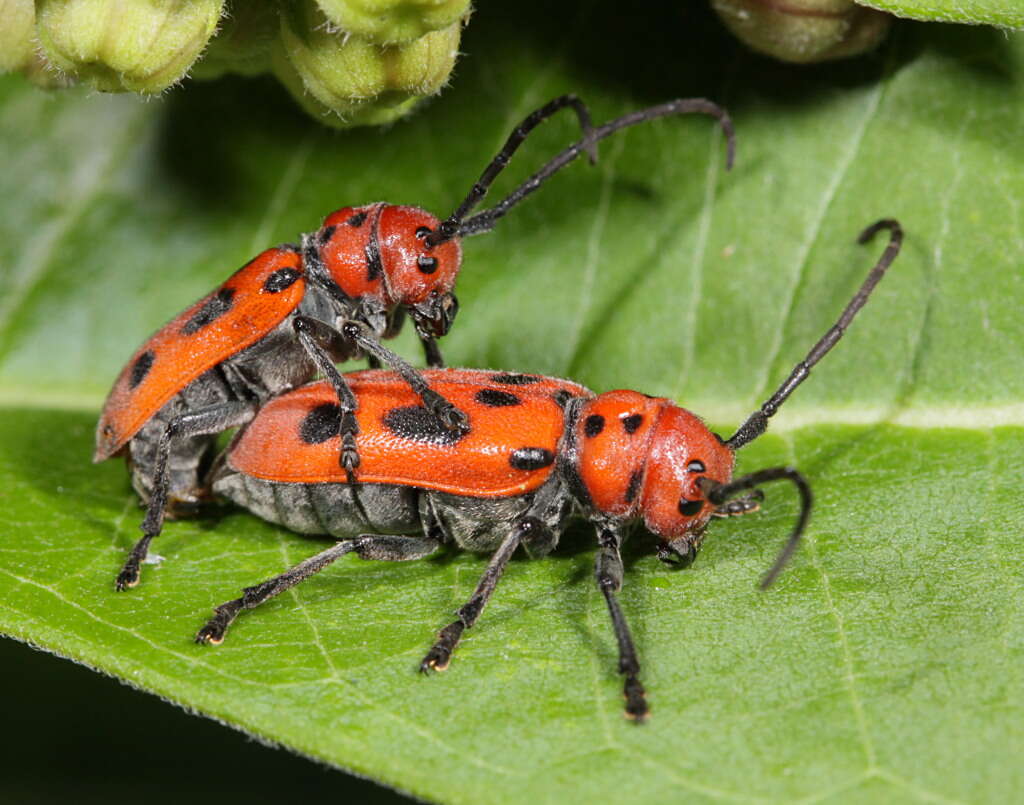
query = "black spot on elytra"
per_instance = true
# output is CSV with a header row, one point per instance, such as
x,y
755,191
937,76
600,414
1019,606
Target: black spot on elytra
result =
x,y
281,279
696,466
426,265
321,423
495,398
634,485
593,425
531,458
515,380
374,267
688,508
417,423
214,307
141,368
357,220
632,422
561,397
326,234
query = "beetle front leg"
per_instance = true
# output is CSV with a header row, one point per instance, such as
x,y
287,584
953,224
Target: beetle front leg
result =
x,y
748,504
431,352
446,413
608,573
212,419
526,529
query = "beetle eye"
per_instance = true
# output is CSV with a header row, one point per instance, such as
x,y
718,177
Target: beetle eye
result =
x,y
696,466
422,232
427,265
688,508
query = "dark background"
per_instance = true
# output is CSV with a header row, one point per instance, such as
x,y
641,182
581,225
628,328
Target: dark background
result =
x,y
78,736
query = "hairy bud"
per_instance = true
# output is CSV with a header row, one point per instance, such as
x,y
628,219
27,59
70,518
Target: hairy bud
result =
x,y
142,46
804,30
349,81
387,22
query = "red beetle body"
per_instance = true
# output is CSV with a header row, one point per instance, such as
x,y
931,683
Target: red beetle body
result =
x,y
535,450
294,311
619,455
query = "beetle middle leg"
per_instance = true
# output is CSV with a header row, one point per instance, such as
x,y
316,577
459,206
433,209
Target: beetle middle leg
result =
x,y
380,547
526,529
211,419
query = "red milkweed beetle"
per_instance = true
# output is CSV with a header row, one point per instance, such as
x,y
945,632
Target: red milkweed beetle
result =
x,y
536,449
293,311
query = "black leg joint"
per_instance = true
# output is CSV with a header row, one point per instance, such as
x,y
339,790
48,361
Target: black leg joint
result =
x,y
677,554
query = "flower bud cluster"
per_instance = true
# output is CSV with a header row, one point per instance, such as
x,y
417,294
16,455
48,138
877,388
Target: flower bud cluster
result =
x,y
804,31
349,62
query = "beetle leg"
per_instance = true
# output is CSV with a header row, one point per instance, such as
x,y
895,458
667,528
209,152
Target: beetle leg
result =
x,y
678,554
211,419
748,504
449,416
380,547
431,352
316,338
608,573
525,529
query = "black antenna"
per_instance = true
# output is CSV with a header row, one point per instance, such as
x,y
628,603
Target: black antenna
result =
x,y
721,493
459,226
758,421
448,228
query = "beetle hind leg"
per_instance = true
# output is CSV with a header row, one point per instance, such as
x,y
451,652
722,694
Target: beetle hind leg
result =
x,y
526,530
379,547
205,421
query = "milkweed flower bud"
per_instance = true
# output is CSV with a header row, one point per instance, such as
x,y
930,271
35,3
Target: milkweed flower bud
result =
x,y
242,43
17,34
142,45
391,21
347,80
804,31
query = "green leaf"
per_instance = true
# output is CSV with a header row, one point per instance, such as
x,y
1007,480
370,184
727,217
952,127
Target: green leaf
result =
x,y
1005,13
886,662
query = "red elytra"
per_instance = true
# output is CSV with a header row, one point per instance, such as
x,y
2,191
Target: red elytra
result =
x,y
224,323
349,285
536,451
294,437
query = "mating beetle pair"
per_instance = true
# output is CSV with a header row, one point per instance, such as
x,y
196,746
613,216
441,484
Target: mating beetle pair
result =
x,y
381,460
294,311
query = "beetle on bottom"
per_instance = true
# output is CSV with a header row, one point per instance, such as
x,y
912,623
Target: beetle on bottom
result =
x,y
537,450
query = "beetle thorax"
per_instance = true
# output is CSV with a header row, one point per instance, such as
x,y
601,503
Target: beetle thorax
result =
x,y
612,438
643,457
